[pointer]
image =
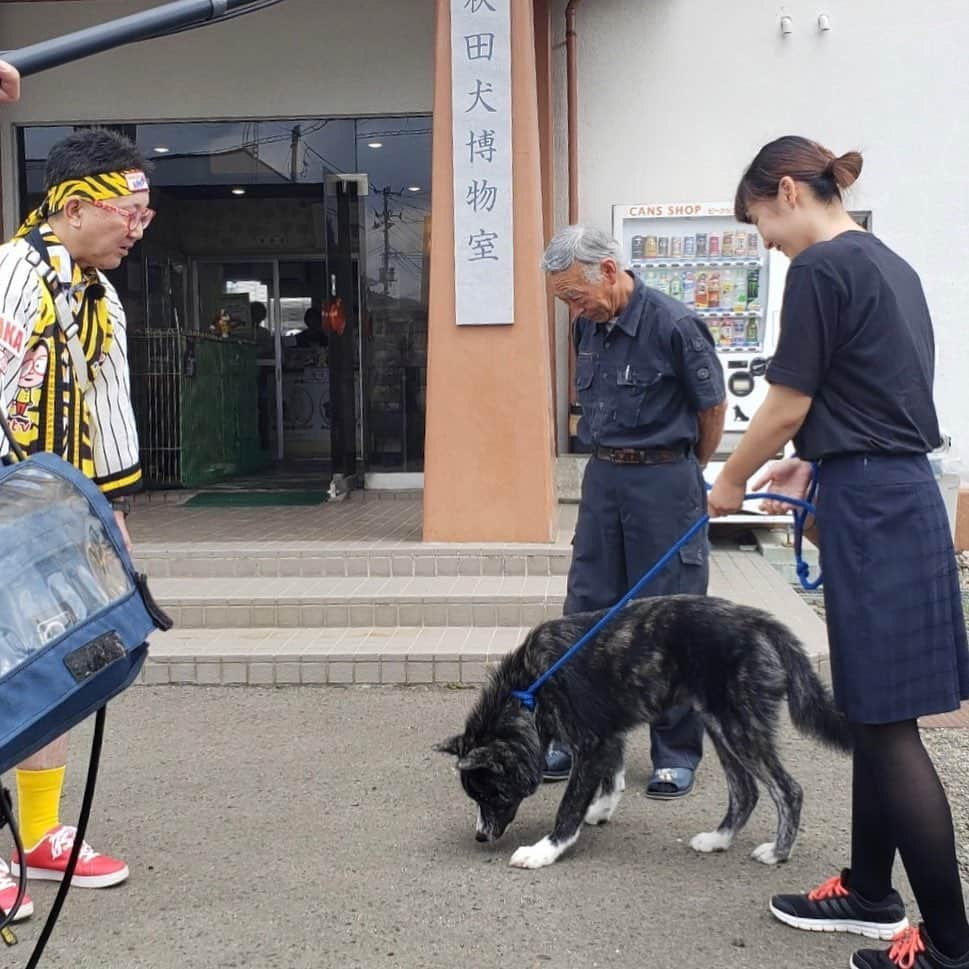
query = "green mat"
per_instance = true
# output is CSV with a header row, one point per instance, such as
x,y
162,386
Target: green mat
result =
x,y
254,499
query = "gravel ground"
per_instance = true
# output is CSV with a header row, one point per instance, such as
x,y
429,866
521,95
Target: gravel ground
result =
x,y
302,828
948,749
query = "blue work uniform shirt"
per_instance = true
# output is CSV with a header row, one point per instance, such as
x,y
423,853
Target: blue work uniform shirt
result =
x,y
642,382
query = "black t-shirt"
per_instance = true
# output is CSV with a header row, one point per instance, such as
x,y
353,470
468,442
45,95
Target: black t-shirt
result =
x,y
857,337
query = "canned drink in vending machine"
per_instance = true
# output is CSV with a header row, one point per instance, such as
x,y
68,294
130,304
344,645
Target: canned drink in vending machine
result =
x,y
753,286
740,292
701,245
701,291
650,247
676,285
663,246
676,247
689,288
726,332
713,290
637,247
689,247
726,246
739,332
753,243
740,244
713,325
713,245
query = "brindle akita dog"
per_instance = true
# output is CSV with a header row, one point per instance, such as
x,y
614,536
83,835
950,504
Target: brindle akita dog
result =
x,y
735,664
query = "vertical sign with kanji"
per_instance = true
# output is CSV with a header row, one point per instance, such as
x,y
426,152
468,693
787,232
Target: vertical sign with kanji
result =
x,y
484,270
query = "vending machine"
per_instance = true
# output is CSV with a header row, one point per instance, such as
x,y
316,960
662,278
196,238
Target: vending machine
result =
x,y
698,253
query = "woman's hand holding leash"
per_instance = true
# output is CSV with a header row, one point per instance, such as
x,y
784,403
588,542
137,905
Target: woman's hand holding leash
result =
x,y
725,497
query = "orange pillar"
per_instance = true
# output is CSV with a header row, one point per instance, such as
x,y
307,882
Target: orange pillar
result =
x,y
489,433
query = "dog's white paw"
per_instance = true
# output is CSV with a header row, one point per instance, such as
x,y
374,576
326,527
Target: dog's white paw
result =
x,y
708,841
766,854
539,855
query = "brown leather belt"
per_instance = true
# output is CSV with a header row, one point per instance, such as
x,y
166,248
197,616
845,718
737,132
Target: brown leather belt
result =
x,y
635,455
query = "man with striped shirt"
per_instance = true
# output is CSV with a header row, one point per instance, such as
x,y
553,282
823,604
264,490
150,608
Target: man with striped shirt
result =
x,y
65,388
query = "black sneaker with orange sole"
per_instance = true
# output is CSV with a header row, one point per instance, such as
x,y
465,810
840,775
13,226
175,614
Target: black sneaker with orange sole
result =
x,y
910,949
834,907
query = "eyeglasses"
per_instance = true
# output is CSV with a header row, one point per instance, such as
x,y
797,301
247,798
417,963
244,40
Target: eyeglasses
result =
x,y
136,218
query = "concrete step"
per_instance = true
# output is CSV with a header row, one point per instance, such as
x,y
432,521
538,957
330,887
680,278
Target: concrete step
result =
x,y
375,655
213,560
360,601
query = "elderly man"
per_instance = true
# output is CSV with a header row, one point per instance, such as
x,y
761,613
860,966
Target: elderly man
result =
x,y
651,389
64,384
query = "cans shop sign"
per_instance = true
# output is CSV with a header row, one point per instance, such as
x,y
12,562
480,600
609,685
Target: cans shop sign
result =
x,y
673,210
484,283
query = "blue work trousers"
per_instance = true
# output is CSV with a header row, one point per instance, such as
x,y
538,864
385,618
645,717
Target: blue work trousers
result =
x,y
629,516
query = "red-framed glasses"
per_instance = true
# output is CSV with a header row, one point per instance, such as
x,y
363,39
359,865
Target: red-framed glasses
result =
x,y
136,218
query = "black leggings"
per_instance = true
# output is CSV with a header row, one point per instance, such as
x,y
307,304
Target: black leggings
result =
x,y
898,803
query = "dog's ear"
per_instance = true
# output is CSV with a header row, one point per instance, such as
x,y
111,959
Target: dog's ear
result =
x,y
479,757
453,745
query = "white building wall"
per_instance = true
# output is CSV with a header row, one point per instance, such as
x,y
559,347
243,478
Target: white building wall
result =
x,y
300,58
676,97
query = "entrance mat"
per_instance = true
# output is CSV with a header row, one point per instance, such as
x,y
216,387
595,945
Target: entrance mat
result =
x,y
254,499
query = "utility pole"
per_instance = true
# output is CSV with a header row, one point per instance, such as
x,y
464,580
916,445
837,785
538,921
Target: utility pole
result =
x,y
294,153
386,240
385,220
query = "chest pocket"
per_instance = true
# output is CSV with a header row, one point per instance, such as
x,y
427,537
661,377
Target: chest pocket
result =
x,y
632,387
585,376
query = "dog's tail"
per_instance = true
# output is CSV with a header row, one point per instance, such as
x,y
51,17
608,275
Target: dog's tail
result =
x,y
810,702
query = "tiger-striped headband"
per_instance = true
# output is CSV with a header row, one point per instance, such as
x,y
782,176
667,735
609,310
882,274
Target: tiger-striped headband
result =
x,y
110,185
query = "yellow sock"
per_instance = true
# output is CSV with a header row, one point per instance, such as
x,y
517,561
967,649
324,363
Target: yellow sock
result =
x,y
38,802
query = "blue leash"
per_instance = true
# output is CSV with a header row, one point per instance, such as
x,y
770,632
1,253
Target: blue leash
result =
x,y
801,511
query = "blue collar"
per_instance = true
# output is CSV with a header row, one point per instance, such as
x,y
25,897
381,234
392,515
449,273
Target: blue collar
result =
x,y
628,319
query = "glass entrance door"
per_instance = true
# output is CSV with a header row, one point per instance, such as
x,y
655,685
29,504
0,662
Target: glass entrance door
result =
x,y
277,304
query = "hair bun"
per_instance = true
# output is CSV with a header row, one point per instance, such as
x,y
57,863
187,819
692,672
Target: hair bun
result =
x,y
845,169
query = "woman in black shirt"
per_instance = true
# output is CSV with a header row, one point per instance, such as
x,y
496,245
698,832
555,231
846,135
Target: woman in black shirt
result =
x,y
851,384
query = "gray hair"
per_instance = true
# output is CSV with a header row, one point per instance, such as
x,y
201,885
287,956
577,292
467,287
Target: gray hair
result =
x,y
581,244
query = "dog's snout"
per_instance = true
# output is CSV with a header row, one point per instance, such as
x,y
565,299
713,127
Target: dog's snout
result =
x,y
480,836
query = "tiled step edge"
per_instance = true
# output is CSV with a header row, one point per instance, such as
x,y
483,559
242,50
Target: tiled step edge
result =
x,y
297,614
270,657
240,561
450,661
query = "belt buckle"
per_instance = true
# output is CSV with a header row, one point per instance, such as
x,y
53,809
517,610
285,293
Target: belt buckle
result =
x,y
624,455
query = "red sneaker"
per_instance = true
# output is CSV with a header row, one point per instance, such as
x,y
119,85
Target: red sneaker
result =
x,y
8,895
47,860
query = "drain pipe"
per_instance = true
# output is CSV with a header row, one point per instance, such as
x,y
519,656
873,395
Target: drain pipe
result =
x,y
572,99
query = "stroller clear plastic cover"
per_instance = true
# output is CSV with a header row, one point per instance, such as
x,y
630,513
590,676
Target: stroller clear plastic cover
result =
x,y
59,566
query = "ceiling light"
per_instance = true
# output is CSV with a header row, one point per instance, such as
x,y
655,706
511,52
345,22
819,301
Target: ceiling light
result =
x,y
413,188
161,149
375,144
238,191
